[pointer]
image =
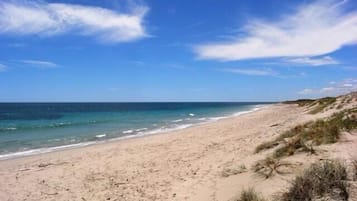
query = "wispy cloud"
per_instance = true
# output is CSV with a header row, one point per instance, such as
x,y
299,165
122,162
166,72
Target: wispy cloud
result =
x,y
311,30
334,88
2,68
49,19
306,91
315,61
39,63
253,72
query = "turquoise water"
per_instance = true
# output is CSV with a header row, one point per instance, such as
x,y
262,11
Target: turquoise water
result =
x,y
29,128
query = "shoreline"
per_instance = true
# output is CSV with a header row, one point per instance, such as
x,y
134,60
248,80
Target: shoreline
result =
x,y
182,165
167,131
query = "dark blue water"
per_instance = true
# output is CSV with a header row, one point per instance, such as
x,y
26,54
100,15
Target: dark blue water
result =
x,y
27,128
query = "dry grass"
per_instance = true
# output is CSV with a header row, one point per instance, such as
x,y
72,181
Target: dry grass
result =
x,y
324,179
249,195
266,145
317,105
322,103
354,163
233,171
300,102
292,146
302,138
268,167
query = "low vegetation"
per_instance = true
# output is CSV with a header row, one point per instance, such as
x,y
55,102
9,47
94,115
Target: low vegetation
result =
x,y
316,106
249,195
301,102
354,166
270,166
322,180
266,145
302,138
321,104
233,171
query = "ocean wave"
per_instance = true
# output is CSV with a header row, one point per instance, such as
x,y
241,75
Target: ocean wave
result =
x,y
42,150
48,126
141,129
8,129
177,120
100,135
127,131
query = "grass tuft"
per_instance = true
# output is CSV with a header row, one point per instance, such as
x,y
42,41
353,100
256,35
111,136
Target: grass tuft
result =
x,y
324,179
266,145
233,171
354,166
269,166
322,103
304,137
249,195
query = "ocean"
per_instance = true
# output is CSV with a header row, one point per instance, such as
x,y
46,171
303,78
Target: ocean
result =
x,y
32,128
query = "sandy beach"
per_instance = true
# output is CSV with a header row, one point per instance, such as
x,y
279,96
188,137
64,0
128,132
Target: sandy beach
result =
x,y
187,164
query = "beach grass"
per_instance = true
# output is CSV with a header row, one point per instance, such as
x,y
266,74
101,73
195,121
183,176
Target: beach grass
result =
x,y
304,137
315,106
249,195
322,103
300,102
234,171
269,166
325,179
266,145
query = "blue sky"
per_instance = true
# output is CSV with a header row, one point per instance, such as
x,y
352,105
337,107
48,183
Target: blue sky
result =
x,y
177,50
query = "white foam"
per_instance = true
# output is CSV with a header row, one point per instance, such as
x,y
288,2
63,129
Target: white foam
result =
x,y
128,131
12,128
101,135
165,129
191,114
42,150
141,129
177,120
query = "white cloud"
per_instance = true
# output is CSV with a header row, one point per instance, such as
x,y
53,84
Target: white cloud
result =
x,y
335,88
2,68
319,61
327,89
347,85
255,72
311,30
48,19
39,63
306,91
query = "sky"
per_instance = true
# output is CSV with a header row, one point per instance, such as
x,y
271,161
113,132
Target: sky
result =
x,y
177,50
